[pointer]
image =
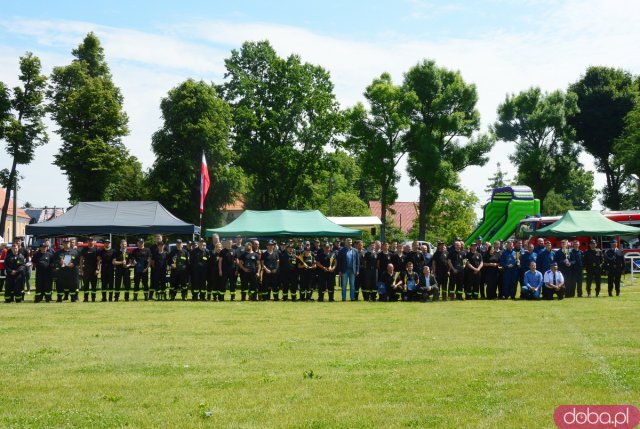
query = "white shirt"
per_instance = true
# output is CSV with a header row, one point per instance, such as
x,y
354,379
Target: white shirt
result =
x,y
548,277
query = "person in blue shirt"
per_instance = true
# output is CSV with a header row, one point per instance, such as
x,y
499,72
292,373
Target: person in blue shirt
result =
x,y
574,282
510,273
532,283
348,268
545,258
528,256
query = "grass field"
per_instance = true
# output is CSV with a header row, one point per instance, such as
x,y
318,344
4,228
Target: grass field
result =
x,y
498,364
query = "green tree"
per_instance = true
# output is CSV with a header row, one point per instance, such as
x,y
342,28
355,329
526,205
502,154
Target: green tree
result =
x,y
605,96
453,216
376,137
196,120
130,184
337,173
627,147
498,180
556,204
284,114
545,150
21,121
88,109
345,204
578,189
443,110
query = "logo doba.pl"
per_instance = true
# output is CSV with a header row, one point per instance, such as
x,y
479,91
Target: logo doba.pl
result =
x,y
596,416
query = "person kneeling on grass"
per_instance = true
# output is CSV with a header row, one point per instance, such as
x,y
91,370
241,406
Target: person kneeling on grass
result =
x,y
427,285
410,280
553,283
532,283
390,284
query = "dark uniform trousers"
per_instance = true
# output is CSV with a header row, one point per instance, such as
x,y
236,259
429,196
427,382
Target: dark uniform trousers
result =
x,y
472,284
442,278
198,282
123,282
106,282
44,283
249,285
574,282
89,284
14,286
327,284
547,293
456,284
594,274
228,281
141,277
67,284
159,283
289,286
369,287
613,280
179,284
269,284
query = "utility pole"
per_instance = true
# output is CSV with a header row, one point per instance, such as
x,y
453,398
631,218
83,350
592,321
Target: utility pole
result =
x,y
14,222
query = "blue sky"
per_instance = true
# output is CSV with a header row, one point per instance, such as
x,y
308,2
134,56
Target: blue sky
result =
x,y
501,46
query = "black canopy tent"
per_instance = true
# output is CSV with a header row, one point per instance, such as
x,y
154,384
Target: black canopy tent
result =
x,y
114,217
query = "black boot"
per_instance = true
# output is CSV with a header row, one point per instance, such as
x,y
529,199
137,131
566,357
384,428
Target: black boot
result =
x,y
116,297
243,296
110,296
126,296
104,297
86,298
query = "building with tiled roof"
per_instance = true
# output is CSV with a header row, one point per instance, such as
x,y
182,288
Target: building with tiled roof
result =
x,y
22,219
403,213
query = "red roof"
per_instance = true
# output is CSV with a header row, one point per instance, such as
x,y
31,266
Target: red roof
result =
x,y
21,213
404,216
237,205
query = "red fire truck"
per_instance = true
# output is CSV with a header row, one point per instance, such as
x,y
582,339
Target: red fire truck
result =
x,y
527,231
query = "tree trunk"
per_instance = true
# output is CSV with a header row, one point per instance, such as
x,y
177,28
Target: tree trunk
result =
x,y
613,196
383,212
422,211
5,205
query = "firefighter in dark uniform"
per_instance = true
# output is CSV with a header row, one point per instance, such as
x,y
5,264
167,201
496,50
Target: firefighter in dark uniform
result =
x,y
239,253
249,264
307,268
410,280
359,246
562,258
42,262
122,262
67,275
370,272
153,249
199,258
416,257
141,255
179,265
227,271
473,272
326,267
15,266
159,261
509,262
289,273
106,270
574,283
440,268
593,260
456,269
270,262
215,288
614,264
90,265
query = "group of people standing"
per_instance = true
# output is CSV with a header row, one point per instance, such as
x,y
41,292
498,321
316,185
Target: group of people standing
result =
x,y
299,270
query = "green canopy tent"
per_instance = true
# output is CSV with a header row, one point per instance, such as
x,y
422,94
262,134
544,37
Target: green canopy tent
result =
x,y
580,223
283,223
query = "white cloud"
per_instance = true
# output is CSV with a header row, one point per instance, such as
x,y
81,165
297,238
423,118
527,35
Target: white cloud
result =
x,y
570,37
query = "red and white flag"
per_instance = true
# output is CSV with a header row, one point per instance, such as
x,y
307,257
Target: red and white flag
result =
x,y
204,182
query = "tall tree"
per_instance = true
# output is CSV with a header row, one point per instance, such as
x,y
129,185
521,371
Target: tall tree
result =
x,y
284,112
196,120
453,216
627,147
376,137
21,125
442,111
498,180
88,109
545,150
605,96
